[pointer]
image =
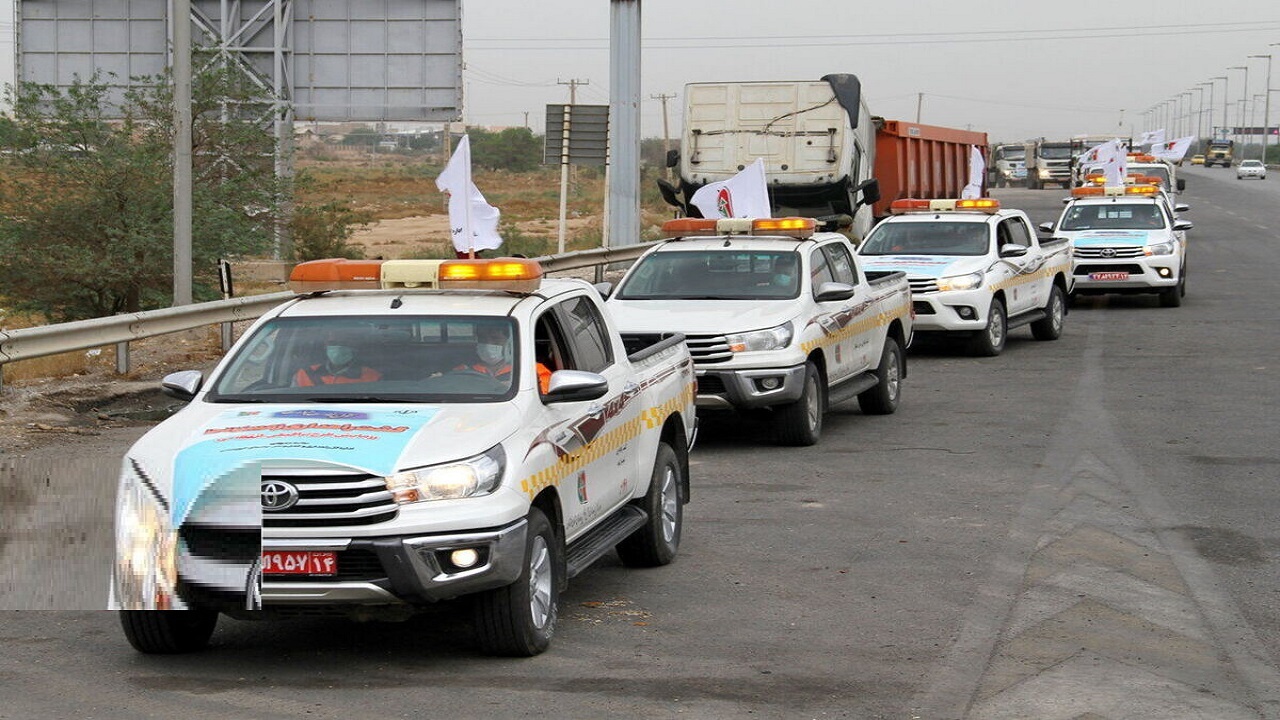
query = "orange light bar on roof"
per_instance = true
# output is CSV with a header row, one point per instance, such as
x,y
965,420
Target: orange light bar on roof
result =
x,y
335,274
1138,157
906,205
685,227
796,227
1142,190
1145,179
988,205
510,274
897,207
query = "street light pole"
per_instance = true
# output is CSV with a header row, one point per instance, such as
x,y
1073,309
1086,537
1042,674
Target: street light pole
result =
x,y
1199,111
1266,111
1243,95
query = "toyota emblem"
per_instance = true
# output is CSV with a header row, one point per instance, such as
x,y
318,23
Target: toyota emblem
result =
x,y
278,495
1108,252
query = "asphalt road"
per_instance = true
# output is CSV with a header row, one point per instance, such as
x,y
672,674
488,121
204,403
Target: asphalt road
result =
x,y
1080,528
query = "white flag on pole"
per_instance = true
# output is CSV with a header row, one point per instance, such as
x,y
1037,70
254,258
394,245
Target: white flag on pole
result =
x,y
473,222
977,171
1173,151
1115,162
1152,137
743,195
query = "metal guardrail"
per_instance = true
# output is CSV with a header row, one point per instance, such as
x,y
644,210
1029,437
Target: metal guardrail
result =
x,y
45,340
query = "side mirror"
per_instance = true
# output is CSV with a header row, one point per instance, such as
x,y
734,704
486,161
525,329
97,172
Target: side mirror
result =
x,y
604,288
1182,184
1182,225
183,384
669,193
1181,207
1045,227
870,191
1011,251
832,291
575,386
673,158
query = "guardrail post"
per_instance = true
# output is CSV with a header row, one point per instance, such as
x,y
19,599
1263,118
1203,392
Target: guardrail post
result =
x,y
122,358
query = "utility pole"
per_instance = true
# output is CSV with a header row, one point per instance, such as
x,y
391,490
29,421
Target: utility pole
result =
x,y
1266,112
573,84
666,129
919,103
180,19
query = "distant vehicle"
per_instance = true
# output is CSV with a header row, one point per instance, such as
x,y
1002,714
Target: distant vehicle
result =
x,y
1048,162
1197,159
1219,153
1251,169
1008,165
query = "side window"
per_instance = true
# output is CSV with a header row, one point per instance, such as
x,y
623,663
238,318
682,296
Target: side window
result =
x,y
819,269
549,346
841,264
1018,232
585,331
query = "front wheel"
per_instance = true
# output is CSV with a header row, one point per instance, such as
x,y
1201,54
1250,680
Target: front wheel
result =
x,y
518,620
883,398
656,543
989,342
800,423
1050,327
1172,297
168,632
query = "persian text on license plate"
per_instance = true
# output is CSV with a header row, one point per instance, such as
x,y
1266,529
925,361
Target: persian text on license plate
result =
x,y
299,562
1109,276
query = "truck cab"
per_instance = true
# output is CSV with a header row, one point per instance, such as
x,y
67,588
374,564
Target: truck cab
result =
x,y
1048,163
976,269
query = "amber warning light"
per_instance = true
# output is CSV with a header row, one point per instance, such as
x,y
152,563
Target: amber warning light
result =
x,y
505,274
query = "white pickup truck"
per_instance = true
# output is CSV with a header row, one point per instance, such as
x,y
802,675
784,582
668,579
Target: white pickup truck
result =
x,y
778,318
468,429
1124,240
975,269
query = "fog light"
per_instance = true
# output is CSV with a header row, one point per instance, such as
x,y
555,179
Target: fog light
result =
x,y
464,558
771,383
1165,272
966,312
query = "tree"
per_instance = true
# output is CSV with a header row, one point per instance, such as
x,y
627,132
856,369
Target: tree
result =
x,y
86,218
514,149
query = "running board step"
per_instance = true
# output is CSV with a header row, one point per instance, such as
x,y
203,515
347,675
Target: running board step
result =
x,y
851,388
1025,319
600,540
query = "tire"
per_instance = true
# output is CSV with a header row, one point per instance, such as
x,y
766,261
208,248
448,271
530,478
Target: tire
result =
x,y
1172,297
168,632
519,620
989,342
1050,328
799,423
656,543
883,398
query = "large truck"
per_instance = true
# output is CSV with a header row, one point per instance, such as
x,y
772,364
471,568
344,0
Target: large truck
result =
x,y
1008,166
824,153
1219,153
922,161
1048,163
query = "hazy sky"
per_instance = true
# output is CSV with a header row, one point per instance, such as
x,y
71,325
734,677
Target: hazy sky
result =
x,y
1012,68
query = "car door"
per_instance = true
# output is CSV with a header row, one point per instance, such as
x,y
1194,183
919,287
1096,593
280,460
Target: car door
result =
x,y
1020,291
594,438
849,342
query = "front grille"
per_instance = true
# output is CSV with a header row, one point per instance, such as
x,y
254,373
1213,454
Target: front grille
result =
x,y
708,348
1093,253
1130,268
333,500
923,285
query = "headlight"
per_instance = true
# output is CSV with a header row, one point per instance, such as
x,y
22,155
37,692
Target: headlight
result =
x,y
477,475
146,548
960,282
1161,248
775,338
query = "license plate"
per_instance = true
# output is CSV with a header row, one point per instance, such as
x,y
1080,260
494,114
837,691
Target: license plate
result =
x,y
1109,276
299,562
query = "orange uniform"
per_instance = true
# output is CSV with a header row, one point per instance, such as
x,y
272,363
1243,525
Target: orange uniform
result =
x,y
309,377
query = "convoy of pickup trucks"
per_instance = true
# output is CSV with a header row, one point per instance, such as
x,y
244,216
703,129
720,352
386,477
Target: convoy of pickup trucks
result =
x,y
407,432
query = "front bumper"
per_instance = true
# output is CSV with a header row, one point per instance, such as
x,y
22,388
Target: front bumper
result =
x,y
952,311
1145,274
729,389
400,570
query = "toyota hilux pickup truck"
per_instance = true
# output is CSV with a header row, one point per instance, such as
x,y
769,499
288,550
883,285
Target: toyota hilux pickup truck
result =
x,y
976,270
1124,239
403,433
781,321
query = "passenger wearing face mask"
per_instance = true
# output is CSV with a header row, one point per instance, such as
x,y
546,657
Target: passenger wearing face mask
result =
x,y
338,366
492,356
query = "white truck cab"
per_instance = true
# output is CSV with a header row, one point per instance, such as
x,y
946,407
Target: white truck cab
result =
x,y
402,433
778,317
1124,239
975,269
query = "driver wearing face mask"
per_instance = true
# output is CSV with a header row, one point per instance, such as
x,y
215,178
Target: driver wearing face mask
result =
x,y
338,367
493,356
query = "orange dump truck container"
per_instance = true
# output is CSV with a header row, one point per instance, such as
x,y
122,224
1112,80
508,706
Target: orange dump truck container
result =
x,y
922,161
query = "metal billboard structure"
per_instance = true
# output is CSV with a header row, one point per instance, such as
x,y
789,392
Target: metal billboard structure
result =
x,y
326,60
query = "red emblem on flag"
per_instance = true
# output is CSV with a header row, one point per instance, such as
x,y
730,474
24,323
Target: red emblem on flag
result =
x,y
724,201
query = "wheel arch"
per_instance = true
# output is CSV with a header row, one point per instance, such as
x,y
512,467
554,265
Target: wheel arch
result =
x,y
673,434
548,501
897,332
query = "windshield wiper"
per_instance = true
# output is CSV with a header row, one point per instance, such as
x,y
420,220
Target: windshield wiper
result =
x,y
349,398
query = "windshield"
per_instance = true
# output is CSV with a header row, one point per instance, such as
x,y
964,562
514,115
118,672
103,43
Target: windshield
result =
x,y
1251,163
927,238
1011,154
1112,217
420,358
1061,152
714,275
